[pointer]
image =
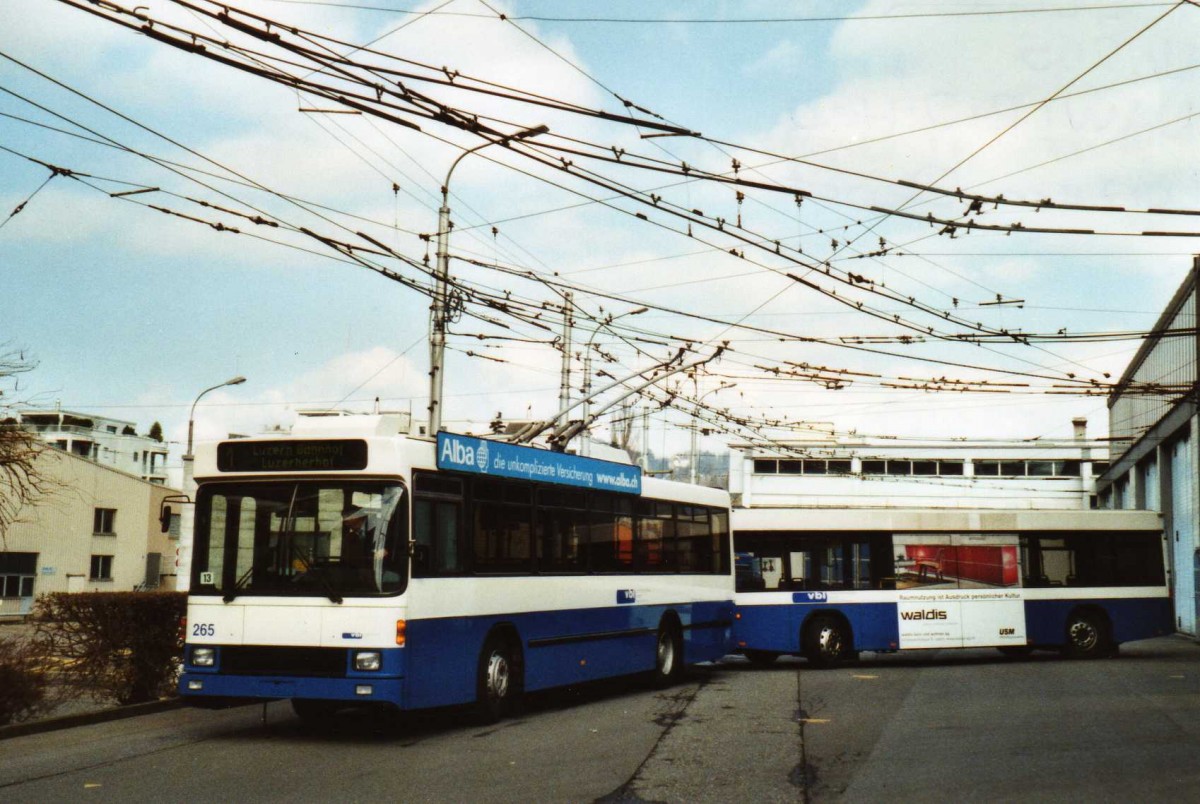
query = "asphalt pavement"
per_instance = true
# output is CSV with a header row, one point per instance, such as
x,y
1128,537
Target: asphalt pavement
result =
x,y
936,726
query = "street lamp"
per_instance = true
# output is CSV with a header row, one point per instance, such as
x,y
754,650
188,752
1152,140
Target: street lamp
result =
x,y
238,380
587,366
187,516
695,457
437,311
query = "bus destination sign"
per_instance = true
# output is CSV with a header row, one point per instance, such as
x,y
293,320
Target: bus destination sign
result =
x,y
325,455
481,457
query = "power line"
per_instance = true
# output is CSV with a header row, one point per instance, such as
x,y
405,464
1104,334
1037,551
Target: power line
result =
x,y
735,20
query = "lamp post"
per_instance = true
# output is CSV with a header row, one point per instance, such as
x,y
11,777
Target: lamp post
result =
x,y
587,367
437,310
187,514
695,455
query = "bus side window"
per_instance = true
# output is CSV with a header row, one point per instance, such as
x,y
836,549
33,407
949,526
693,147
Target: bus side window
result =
x,y
437,525
437,533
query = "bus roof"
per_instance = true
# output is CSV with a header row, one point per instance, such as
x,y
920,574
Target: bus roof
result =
x,y
941,520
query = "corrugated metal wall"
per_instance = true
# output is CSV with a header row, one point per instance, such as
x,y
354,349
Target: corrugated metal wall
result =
x,y
1183,536
1172,361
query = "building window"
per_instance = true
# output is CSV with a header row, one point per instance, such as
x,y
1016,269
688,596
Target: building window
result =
x,y
101,569
874,467
16,574
763,466
104,521
999,468
814,467
950,468
839,467
924,468
791,467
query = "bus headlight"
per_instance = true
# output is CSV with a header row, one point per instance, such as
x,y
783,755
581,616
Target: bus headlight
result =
x,y
368,660
204,657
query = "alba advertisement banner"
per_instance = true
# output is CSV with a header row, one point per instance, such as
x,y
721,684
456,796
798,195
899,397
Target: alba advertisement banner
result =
x,y
482,457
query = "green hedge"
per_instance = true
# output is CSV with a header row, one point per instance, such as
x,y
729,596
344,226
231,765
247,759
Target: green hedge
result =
x,y
121,645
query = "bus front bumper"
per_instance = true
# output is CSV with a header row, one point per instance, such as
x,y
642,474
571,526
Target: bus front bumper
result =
x,y
212,686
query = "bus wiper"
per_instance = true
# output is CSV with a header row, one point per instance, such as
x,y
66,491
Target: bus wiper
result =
x,y
237,585
318,573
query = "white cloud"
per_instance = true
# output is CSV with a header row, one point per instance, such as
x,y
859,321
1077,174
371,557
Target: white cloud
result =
x,y
785,58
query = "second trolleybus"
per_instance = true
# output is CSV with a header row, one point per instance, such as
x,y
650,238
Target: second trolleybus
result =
x,y
827,583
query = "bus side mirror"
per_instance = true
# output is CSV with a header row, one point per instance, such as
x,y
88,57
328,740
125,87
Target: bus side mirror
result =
x,y
164,518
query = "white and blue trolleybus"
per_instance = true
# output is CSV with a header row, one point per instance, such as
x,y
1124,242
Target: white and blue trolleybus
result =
x,y
347,563
827,583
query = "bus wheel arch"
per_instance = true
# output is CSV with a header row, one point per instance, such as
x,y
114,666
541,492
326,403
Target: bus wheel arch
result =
x,y
826,639
501,675
1088,633
668,650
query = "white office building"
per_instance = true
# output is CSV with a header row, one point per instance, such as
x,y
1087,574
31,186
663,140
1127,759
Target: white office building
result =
x,y
848,472
110,442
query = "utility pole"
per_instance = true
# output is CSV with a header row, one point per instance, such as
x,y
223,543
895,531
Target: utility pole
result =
x,y
587,374
564,388
646,439
695,455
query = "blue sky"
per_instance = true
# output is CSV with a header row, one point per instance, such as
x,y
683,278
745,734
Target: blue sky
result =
x,y
131,312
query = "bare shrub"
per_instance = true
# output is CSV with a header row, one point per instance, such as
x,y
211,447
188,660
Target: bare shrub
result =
x,y
121,645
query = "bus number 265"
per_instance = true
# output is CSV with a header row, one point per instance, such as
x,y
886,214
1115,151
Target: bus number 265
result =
x,y
203,630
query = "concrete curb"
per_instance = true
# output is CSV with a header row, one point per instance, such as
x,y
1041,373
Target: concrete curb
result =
x,y
89,718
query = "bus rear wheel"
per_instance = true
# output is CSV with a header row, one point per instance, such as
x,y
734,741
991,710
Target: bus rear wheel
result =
x,y
1087,636
827,642
500,683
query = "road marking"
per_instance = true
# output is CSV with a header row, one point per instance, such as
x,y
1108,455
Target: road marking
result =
x,y
864,677
814,720
91,785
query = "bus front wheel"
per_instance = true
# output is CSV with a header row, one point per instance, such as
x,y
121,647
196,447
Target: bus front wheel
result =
x,y
1087,636
668,654
499,687
827,642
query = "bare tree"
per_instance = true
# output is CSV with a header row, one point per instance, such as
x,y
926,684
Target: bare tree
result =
x,y
21,478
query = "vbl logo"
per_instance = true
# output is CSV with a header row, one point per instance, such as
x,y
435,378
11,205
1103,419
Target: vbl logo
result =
x,y
816,597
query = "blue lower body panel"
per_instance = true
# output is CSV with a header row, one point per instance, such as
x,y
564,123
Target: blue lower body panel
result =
x,y
777,629
558,647
1130,619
